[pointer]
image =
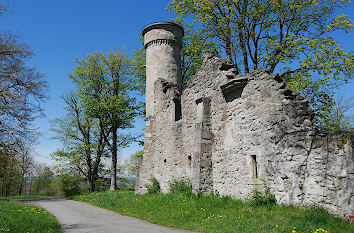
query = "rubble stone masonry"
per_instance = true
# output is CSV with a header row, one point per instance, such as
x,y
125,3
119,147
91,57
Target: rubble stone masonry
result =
x,y
230,134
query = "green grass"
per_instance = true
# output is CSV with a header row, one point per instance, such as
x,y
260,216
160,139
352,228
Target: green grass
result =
x,y
22,218
217,214
23,197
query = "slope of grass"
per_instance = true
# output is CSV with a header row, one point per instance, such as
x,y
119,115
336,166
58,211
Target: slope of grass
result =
x,y
22,218
217,214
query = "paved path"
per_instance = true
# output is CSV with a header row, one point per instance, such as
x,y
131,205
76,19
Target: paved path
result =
x,y
79,217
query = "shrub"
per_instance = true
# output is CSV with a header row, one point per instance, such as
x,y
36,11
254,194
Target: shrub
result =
x,y
70,185
154,187
259,198
181,186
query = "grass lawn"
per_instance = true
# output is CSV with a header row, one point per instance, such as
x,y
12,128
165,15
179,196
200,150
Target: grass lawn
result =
x,y
22,218
23,197
210,213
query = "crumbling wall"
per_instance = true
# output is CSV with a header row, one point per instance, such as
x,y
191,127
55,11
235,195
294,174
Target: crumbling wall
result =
x,y
260,132
163,147
238,132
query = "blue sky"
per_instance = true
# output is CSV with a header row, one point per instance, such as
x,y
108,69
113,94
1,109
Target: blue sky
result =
x,y
60,31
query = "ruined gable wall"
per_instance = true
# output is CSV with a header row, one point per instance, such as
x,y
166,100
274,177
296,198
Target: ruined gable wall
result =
x,y
269,126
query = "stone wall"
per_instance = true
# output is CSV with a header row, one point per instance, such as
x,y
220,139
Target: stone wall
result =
x,y
237,133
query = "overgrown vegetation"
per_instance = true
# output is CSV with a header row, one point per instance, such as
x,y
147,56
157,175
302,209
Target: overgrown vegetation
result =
x,y
19,217
261,198
70,185
154,187
210,213
181,186
265,198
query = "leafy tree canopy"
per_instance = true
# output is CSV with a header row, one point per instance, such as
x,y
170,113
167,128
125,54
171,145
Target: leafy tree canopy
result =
x,y
293,37
105,89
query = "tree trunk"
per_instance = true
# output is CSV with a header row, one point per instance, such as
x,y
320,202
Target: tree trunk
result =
x,y
228,52
21,187
96,164
114,160
38,186
30,187
89,171
90,183
2,188
114,173
7,188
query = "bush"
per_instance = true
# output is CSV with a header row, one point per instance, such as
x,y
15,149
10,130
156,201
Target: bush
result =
x,y
154,187
70,185
259,198
181,186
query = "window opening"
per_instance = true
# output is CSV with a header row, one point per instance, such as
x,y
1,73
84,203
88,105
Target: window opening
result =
x,y
178,109
254,166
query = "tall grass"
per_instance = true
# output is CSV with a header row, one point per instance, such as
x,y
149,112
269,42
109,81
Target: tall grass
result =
x,y
22,218
209,213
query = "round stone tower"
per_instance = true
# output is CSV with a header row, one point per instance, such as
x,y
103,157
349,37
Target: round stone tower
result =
x,y
163,43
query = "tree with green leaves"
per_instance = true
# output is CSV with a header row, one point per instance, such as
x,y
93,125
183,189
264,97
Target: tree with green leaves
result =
x,y
82,137
131,165
339,117
9,172
105,87
43,182
25,165
292,37
16,166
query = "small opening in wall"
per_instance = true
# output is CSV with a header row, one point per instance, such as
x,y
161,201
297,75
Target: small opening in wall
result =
x,y
233,94
254,166
189,158
233,90
164,160
178,109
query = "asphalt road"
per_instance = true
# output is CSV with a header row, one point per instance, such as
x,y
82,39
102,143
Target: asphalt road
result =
x,y
79,217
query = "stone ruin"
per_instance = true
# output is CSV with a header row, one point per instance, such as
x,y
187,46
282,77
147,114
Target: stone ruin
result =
x,y
229,133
